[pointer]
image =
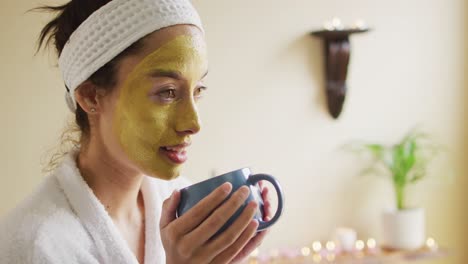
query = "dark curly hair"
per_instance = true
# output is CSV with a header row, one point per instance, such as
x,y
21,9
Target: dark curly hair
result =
x,y
57,32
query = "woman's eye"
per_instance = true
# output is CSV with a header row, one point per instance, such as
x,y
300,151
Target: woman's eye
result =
x,y
167,94
199,92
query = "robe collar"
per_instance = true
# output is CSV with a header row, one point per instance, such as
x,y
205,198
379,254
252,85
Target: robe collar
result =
x,y
111,246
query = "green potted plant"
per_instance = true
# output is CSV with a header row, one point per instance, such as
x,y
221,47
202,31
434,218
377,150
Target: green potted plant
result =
x,y
406,162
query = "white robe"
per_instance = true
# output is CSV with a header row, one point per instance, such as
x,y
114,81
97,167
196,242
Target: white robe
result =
x,y
63,222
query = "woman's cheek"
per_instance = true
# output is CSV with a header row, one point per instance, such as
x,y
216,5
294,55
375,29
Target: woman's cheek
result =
x,y
157,123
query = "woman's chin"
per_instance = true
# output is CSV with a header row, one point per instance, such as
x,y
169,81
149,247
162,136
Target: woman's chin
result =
x,y
167,174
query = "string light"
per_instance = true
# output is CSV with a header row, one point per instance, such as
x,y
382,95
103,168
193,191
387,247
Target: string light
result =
x,y
371,243
362,248
316,246
431,244
305,251
360,245
331,246
317,258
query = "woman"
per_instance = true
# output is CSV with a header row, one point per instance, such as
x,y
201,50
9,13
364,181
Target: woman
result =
x,y
133,71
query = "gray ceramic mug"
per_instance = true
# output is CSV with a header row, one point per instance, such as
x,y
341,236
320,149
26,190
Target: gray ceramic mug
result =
x,y
193,194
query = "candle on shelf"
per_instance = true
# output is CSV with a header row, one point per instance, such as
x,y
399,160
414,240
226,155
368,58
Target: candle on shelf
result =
x,y
359,24
337,25
327,25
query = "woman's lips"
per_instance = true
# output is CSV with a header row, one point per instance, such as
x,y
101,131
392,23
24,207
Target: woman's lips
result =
x,y
177,153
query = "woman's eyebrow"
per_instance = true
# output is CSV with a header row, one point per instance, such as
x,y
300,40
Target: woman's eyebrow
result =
x,y
204,75
171,74
167,73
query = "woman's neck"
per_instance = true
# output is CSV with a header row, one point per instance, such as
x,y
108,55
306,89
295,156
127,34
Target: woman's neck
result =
x,y
116,187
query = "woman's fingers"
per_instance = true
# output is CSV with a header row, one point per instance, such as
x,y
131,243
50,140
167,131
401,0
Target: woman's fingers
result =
x,y
189,239
168,215
197,214
266,193
267,211
218,218
169,208
237,246
261,185
266,197
232,233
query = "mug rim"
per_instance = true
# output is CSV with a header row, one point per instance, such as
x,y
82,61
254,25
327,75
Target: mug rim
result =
x,y
218,176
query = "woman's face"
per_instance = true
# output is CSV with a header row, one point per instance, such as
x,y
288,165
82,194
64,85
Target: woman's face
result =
x,y
155,104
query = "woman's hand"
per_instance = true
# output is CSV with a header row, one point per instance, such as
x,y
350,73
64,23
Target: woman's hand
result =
x,y
258,238
188,239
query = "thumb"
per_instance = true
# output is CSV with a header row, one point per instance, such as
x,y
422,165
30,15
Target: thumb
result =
x,y
169,208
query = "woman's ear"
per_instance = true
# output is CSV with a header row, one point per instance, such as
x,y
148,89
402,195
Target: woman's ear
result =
x,y
86,96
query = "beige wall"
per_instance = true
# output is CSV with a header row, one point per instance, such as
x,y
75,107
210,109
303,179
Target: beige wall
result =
x,y
463,240
265,107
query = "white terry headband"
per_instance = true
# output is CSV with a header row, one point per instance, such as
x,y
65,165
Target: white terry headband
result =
x,y
113,28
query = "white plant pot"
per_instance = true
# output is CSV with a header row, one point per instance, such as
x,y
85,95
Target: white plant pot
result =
x,y
404,229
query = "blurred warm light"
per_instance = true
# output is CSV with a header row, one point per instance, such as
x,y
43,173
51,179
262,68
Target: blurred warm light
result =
x,y
328,25
360,245
305,251
431,243
371,243
359,24
331,246
316,246
254,253
331,257
317,258
336,23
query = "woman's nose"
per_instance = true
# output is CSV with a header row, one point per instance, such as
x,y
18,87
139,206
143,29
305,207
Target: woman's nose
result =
x,y
188,121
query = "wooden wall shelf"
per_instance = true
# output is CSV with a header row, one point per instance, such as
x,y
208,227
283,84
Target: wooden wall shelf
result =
x,y
337,54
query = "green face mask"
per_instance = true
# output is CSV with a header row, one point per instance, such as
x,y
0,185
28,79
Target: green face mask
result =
x,y
154,107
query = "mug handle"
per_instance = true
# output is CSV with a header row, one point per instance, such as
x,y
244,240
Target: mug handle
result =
x,y
252,180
